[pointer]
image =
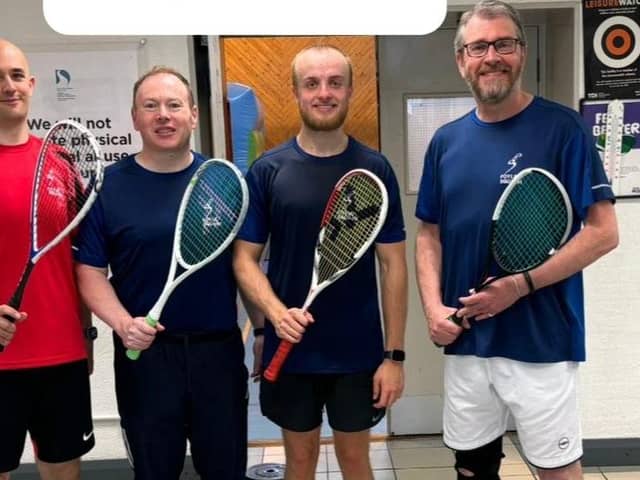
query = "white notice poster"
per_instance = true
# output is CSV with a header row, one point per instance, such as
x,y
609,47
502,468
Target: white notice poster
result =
x,y
93,88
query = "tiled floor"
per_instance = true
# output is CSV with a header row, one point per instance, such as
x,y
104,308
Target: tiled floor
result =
x,y
426,458
412,458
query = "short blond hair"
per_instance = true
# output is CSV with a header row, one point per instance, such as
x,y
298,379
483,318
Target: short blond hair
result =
x,y
320,48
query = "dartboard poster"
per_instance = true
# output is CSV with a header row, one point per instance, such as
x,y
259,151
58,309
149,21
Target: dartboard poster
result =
x,y
612,48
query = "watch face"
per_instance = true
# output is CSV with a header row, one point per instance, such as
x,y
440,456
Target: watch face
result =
x,y
91,333
395,355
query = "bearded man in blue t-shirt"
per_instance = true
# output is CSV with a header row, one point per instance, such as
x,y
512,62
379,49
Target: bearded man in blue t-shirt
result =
x,y
339,360
519,341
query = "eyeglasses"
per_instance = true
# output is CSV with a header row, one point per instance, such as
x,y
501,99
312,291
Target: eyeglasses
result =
x,y
502,46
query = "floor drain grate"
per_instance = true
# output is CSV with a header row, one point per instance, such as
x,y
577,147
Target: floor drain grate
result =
x,y
272,471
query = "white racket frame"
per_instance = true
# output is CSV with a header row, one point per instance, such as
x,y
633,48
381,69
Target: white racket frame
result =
x,y
176,257
36,253
517,179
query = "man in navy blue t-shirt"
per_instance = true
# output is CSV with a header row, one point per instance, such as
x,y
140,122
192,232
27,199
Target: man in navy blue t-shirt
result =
x,y
190,382
520,340
339,360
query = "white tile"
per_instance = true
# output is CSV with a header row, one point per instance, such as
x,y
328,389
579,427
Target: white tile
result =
x,y
426,474
415,442
274,450
422,457
384,475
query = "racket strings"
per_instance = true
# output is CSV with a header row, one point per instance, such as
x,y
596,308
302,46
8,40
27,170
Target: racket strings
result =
x,y
351,219
65,175
531,225
211,213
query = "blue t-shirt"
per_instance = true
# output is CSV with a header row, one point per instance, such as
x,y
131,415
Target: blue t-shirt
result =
x,y
467,166
288,193
130,229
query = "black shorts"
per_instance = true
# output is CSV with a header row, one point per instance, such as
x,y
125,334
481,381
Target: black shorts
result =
x,y
295,401
54,405
185,389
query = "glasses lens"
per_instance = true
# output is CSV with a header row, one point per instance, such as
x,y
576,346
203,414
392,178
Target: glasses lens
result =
x,y
477,49
505,45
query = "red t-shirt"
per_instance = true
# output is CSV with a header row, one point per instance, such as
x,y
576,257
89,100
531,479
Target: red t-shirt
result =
x,y
52,333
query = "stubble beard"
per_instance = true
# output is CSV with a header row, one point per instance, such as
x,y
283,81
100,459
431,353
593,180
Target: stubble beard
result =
x,y
324,125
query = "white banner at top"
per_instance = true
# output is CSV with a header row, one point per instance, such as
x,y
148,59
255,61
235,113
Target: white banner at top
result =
x,y
248,17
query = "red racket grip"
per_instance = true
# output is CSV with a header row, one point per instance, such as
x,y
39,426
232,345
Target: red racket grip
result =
x,y
273,370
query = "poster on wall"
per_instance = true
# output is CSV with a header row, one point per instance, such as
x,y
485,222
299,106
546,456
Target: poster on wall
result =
x,y
93,88
624,175
611,30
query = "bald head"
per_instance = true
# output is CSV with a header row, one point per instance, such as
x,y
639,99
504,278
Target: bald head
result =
x,y
16,89
8,48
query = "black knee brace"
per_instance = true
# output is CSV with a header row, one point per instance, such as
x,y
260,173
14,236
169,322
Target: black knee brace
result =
x,y
483,462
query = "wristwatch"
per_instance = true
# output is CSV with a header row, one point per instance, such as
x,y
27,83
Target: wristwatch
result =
x,y
91,333
395,355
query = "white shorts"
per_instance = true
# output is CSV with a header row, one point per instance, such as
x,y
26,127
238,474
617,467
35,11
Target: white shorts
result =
x,y
480,393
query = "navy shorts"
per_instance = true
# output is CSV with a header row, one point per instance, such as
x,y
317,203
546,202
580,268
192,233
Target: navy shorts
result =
x,y
185,388
54,405
295,401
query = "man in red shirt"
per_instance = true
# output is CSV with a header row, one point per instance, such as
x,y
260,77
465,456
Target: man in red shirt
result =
x,y
44,371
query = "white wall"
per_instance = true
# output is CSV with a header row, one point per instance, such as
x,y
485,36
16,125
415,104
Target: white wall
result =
x,y
610,383
26,27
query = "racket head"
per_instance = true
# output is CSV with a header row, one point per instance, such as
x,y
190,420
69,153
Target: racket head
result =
x,y
211,212
353,217
69,174
531,221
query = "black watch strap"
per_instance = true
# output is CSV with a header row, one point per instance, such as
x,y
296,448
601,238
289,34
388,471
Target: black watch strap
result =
x,y
395,355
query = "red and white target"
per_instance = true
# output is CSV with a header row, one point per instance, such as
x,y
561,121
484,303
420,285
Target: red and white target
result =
x,y
616,42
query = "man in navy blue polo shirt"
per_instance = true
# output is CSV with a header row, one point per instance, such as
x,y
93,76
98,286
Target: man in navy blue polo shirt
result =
x,y
190,382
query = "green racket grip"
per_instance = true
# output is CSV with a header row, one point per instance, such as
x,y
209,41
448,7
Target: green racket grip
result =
x,y
135,354
273,370
452,318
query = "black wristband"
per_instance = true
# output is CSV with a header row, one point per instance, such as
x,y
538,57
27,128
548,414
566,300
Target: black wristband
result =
x,y
527,278
258,331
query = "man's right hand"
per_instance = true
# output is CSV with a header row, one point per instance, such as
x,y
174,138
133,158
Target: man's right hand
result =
x,y
291,325
8,327
442,330
137,334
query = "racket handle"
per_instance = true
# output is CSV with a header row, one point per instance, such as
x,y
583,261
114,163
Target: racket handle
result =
x,y
135,354
12,320
15,302
452,318
273,370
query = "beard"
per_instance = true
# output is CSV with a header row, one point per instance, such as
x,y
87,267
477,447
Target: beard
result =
x,y
495,90
324,124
